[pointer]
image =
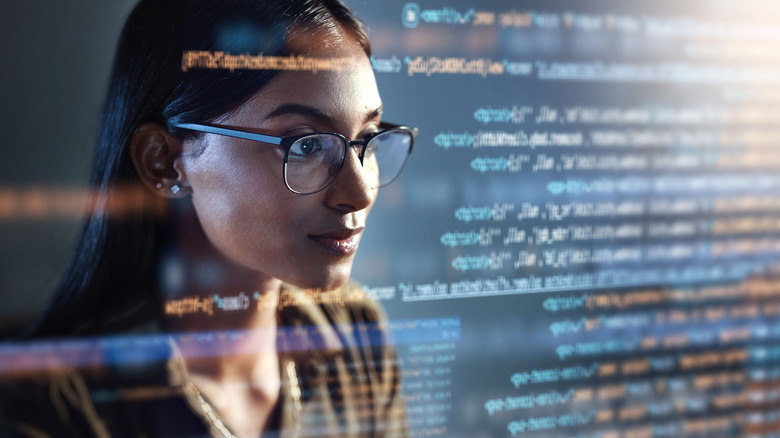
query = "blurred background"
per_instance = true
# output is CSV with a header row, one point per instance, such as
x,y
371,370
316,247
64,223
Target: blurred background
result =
x,y
57,59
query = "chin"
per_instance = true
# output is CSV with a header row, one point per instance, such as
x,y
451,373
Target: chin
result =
x,y
329,279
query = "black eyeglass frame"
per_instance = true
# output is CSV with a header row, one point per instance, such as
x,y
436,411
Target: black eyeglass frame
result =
x,y
287,142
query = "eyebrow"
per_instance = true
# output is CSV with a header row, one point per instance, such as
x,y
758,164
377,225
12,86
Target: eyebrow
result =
x,y
308,111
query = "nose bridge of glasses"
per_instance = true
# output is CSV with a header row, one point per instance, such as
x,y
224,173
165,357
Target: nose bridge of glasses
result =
x,y
362,143
367,175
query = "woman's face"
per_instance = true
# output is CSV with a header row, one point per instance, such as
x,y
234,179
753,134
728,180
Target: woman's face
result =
x,y
238,191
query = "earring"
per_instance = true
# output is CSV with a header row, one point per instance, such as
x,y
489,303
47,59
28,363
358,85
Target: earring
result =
x,y
175,189
159,186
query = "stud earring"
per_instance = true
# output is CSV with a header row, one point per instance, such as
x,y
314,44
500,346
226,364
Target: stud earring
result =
x,y
175,189
159,186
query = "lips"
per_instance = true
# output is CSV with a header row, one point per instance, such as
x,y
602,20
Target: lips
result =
x,y
341,242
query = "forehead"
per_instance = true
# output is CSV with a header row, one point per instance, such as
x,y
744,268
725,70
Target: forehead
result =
x,y
346,94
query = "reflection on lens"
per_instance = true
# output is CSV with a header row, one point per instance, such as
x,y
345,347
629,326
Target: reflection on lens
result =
x,y
390,150
370,167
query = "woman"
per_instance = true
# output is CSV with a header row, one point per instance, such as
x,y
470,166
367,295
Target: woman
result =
x,y
268,177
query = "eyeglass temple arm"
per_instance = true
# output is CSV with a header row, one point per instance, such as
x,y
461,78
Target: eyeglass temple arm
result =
x,y
229,132
266,138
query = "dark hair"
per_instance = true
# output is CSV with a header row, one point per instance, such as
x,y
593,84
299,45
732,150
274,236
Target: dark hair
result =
x,y
110,281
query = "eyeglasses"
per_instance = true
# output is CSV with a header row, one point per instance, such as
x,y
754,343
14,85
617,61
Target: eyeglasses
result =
x,y
312,161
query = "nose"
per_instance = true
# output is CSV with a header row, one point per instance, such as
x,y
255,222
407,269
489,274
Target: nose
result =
x,y
351,190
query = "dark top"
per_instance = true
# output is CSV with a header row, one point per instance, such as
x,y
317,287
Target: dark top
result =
x,y
339,378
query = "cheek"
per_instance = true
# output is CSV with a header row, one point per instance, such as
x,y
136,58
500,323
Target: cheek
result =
x,y
237,200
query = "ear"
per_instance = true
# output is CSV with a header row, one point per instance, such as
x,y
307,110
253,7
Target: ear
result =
x,y
155,154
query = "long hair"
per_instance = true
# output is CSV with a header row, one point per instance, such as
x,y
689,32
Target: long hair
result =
x,y
110,282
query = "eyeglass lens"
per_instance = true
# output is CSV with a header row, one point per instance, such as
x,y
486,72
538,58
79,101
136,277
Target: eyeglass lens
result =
x,y
314,161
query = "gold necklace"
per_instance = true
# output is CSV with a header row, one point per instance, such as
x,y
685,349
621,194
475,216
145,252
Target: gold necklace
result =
x,y
178,372
219,425
212,415
295,391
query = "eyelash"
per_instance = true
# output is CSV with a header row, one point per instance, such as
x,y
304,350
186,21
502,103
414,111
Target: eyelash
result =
x,y
366,135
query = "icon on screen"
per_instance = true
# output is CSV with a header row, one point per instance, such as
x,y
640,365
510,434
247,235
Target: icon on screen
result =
x,y
411,15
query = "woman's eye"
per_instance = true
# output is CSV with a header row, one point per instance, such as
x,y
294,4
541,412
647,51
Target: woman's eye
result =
x,y
306,146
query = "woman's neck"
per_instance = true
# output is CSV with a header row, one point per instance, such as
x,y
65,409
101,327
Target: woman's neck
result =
x,y
241,377
232,313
